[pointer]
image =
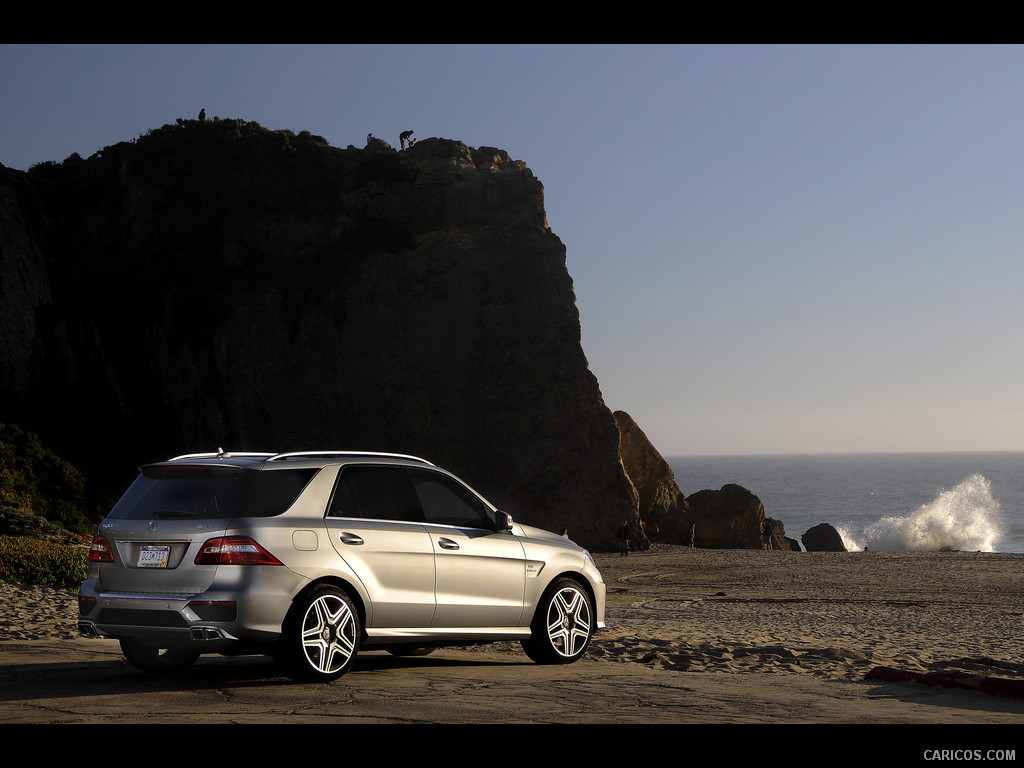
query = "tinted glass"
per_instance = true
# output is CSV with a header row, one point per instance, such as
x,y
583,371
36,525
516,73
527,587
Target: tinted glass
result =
x,y
375,493
447,502
207,495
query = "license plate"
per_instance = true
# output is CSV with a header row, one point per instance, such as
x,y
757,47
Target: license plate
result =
x,y
153,557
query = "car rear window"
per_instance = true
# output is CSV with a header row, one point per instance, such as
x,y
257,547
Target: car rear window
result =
x,y
167,492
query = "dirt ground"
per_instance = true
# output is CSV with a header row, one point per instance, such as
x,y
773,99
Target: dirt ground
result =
x,y
710,637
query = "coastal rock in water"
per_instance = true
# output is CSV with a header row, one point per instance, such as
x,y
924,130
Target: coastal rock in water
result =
x,y
823,538
733,518
214,283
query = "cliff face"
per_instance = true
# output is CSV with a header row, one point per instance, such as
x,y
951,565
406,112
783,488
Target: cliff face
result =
x,y
217,284
660,503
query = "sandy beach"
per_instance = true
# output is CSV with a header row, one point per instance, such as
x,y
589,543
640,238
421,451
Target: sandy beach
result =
x,y
759,620
835,615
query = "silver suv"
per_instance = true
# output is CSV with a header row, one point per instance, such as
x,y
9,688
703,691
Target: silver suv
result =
x,y
310,557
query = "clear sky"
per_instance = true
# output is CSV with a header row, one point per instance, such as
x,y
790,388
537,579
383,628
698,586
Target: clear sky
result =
x,y
776,249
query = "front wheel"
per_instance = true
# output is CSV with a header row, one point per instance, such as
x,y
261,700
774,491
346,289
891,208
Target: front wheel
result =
x,y
563,626
149,658
322,635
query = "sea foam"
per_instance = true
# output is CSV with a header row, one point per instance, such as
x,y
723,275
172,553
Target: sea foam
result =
x,y
964,518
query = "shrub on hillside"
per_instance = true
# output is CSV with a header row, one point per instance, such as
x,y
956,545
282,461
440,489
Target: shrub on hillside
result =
x,y
34,479
44,563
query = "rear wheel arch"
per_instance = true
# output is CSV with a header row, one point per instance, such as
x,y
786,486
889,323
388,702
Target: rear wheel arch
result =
x,y
322,632
341,584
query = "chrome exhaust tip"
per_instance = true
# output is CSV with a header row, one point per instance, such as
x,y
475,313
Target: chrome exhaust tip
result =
x,y
206,633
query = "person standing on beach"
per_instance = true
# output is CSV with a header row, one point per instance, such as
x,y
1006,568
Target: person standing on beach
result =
x,y
624,539
693,534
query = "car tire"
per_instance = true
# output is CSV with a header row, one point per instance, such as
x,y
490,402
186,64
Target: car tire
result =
x,y
149,658
321,635
563,626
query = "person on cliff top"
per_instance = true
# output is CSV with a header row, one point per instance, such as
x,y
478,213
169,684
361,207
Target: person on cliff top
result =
x,y
624,539
405,138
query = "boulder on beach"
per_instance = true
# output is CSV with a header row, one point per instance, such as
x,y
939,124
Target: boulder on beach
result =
x,y
730,518
733,518
823,538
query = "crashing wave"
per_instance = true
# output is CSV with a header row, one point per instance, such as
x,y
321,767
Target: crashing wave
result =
x,y
962,518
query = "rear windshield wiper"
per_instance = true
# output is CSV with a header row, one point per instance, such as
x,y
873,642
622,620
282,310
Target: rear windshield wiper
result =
x,y
174,513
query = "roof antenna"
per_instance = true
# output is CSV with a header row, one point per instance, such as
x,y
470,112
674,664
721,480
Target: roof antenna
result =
x,y
221,454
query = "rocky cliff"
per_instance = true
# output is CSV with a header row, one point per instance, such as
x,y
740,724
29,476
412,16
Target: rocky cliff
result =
x,y
215,284
661,506
729,518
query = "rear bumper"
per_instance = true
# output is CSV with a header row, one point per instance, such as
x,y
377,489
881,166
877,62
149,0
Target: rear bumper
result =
x,y
167,621
201,638
212,621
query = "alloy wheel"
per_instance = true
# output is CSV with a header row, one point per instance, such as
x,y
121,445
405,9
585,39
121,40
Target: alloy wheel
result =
x,y
329,634
569,621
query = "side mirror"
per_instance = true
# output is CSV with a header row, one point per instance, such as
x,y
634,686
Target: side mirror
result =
x,y
502,522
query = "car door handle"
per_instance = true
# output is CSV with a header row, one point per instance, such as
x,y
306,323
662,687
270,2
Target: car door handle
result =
x,y
351,538
447,543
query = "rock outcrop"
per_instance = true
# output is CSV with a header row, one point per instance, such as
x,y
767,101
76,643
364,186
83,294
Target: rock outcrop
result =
x,y
24,288
733,518
660,503
730,518
823,538
218,284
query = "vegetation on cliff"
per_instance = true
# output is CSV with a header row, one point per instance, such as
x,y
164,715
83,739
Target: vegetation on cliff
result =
x,y
175,148
46,563
36,481
46,509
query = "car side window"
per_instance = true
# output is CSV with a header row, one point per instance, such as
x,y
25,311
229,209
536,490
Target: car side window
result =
x,y
447,502
375,493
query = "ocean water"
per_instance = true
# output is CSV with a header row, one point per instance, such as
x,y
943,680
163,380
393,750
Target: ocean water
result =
x,y
896,502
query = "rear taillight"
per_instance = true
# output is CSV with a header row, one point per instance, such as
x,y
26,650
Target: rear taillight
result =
x,y
234,550
100,551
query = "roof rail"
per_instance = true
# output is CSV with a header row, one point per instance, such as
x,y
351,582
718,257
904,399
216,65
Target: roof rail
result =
x,y
222,454
339,454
